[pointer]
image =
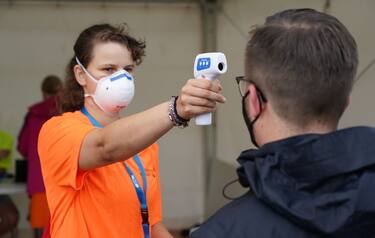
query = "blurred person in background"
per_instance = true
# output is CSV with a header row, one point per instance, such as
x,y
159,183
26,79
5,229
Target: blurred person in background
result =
x,y
36,116
9,215
100,169
307,179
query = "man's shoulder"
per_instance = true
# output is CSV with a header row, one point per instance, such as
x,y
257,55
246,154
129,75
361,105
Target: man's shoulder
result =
x,y
248,217
234,219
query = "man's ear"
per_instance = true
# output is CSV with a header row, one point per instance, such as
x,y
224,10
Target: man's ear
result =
x,y
253,101
79,75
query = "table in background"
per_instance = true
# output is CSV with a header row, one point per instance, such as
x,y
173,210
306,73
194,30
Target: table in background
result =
x,y
10,188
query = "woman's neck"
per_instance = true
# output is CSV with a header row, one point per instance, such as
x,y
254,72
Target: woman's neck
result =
x,y
102,117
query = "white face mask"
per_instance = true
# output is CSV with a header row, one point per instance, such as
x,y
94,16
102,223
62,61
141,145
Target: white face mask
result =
x,y
113,92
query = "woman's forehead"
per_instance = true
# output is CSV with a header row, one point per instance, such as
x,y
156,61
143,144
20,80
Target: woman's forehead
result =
x,y
111,53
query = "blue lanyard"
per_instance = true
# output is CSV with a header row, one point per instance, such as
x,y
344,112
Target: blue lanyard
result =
x,y
141,194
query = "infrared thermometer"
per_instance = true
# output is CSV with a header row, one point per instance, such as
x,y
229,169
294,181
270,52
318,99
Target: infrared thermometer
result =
x,y
209,66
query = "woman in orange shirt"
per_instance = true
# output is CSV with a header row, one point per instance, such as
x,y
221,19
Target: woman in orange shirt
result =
x,y
101,171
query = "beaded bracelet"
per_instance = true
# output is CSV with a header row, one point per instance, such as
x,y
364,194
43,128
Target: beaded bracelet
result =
x,y
173,115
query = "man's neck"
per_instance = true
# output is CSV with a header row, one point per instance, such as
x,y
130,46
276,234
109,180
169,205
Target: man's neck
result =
x,y
283,130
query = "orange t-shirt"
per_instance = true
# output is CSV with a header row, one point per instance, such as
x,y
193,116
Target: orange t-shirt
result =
x,y
101,202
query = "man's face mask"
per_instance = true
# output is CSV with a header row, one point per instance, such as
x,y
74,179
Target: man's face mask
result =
x,y
113,92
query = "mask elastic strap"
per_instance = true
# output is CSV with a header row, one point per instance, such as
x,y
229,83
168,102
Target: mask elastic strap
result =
x,y
250,123
84,69
89,94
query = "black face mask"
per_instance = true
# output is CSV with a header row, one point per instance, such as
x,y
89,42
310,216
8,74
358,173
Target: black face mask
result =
x,y
248,122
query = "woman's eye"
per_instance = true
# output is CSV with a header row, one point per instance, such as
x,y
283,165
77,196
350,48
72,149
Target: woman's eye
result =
x,y
108,70
129,69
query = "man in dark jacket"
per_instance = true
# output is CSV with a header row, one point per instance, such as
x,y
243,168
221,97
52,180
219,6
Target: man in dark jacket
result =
x,y
307,179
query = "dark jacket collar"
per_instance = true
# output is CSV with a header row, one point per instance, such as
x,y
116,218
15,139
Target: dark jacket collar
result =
x,y
314,180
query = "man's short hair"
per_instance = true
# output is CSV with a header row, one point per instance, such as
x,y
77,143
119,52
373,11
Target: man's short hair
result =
x,y
51,85
304,61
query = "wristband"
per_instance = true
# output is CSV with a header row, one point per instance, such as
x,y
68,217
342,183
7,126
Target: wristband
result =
x,y
173,115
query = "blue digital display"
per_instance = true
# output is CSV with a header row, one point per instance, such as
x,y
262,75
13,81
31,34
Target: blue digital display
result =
x,y
203,63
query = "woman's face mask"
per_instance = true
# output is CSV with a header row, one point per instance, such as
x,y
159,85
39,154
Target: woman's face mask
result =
x,y
113,92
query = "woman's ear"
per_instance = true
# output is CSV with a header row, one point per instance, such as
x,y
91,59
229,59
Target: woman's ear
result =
x,y
79,75
253,101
